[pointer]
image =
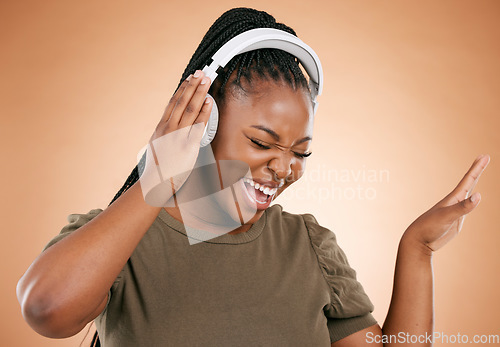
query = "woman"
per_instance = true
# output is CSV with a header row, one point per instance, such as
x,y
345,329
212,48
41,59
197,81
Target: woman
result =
x,y
272,278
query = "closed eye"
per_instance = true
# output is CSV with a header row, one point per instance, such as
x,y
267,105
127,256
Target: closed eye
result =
x,y
262,145
259,144
302,155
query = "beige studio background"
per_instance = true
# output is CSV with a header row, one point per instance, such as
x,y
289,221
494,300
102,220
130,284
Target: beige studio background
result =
x,y
410,99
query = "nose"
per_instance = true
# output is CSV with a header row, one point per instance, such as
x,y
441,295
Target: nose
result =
x,y
281,166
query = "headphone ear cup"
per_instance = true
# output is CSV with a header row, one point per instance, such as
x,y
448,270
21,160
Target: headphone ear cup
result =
x,y
211,127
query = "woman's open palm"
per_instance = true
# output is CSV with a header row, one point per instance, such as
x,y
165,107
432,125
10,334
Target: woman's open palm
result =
x,y
443,221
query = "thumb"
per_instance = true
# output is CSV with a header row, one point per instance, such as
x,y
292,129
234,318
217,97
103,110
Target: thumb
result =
x,y
462,208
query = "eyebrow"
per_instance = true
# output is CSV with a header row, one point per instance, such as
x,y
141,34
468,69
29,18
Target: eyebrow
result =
x,y
276,136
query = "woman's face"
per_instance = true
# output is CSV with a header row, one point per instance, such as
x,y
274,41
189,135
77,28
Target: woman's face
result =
x,y
268,126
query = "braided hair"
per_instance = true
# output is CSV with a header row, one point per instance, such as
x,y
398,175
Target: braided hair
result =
x,y
266,63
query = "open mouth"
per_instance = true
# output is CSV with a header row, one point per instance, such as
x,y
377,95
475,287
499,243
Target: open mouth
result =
x,y
259,194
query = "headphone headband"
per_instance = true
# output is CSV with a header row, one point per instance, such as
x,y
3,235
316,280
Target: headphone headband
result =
x,y
256,39
271,38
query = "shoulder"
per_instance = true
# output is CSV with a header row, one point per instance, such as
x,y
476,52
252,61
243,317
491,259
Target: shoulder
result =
x,y
348,298
75,221
306,228
318,234
276,214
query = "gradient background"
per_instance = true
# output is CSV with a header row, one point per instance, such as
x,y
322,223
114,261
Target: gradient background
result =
x,y
411,87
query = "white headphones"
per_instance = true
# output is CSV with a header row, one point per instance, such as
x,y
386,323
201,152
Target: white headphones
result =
x,y
256,39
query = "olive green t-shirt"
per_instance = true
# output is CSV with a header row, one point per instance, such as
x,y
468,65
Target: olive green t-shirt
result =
x,y
284,282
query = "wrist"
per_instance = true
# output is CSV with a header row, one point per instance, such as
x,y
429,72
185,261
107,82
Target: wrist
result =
x,y
414,247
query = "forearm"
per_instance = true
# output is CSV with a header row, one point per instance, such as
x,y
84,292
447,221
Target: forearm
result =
x,y
410,316
68,282
411,309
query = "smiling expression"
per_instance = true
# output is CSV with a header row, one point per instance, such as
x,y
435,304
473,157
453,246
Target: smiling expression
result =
x,y
267,125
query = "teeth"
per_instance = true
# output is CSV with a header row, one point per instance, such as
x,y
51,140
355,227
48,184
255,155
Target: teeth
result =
x,y
264,189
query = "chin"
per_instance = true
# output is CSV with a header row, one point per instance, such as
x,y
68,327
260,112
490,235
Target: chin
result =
x,y
246,203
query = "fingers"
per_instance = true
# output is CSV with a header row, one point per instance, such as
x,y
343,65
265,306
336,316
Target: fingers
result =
x,y
486,162
198,127
190,102
173,100
468,182
204,114
199,105
453,216
455,211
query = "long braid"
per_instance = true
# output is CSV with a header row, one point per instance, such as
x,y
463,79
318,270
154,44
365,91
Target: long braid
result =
x,y
271,63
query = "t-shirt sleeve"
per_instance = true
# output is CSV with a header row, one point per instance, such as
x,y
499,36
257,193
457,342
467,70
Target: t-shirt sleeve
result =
x,y
350,308
75,221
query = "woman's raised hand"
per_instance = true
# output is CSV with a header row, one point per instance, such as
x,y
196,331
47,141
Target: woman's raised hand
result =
x,y
174,146
187,106
443,221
